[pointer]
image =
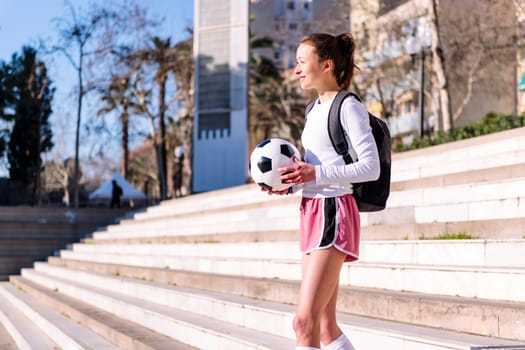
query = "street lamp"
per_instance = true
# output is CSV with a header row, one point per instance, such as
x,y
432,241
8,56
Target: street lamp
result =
x,y
419,48
421,95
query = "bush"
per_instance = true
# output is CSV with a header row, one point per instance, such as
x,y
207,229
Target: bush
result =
x,y
448,236
491,123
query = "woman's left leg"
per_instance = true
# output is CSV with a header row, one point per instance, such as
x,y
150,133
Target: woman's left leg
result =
x,y
329,330
332,337
320,279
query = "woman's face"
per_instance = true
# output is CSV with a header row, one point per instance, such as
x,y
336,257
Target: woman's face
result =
x,y
308,69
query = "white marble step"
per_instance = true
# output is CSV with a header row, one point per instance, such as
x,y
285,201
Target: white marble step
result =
x,y
270,319
241,195
502,193
474,252
168,318
59,328
247,220
457,194
411,169
499,199
497,283
505,148
6,342
25,334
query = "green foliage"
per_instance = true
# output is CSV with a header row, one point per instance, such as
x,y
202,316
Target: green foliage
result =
x,y
31,134
491,123
276,106
448,236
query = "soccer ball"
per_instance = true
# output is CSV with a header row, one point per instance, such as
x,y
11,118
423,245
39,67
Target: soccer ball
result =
x,y
267,157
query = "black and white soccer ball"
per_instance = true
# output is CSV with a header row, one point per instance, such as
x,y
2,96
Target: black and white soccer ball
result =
x,y
267,157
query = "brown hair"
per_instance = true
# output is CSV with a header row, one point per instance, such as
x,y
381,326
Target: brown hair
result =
x,y
340,49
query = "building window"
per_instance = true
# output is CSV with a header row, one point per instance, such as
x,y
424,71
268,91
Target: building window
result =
x,y
291,5
292,26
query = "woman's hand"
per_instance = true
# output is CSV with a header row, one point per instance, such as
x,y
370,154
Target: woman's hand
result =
x,y
300,173
270,192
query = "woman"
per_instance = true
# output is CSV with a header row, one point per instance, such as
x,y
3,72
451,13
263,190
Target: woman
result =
x,y
329,216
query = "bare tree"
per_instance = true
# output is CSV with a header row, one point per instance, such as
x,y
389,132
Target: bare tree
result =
x,y
438,64
58,171
77,40
477,42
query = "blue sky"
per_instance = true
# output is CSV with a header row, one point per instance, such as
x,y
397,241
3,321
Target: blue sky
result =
x,y
23,22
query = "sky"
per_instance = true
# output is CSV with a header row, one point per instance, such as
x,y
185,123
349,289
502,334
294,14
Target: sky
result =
x,y
23,22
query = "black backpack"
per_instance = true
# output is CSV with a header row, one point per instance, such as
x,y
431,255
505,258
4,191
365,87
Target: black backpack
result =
x,y
371,195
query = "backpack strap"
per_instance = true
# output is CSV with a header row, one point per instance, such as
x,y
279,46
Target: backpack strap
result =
x,y
335,129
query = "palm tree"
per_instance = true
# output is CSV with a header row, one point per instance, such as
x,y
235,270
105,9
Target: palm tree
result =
x,y
117,97
276,107
162,57
183,68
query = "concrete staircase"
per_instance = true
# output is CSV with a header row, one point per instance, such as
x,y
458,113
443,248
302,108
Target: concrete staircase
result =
x,y
221,270
31,234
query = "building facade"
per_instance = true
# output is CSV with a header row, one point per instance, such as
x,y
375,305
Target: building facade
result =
x,y
478,61
287,21
221,106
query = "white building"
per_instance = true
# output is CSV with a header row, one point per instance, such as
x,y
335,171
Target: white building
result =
x,y
221,107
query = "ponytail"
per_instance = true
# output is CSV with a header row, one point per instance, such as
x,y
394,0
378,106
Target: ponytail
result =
x,y
340,49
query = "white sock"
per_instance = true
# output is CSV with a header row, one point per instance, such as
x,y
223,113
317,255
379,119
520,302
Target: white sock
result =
x,y
305,348
341,343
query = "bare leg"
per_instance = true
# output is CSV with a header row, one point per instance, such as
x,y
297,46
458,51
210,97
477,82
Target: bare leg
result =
x,y
319,284
329,328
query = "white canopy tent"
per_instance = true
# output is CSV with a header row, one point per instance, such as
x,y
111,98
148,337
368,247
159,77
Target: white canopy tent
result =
x,y
130,195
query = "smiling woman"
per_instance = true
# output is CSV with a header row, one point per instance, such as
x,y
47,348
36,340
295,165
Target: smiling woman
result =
x,y
329,217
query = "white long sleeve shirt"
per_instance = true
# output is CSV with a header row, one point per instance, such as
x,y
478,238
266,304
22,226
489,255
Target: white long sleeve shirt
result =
x,y
334,177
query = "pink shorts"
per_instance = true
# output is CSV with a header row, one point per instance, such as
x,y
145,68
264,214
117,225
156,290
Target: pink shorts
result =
x,y
330,222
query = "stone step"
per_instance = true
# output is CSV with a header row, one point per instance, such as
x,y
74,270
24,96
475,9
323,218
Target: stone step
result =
x,y
513,228
412,170
124,334
510,208
475,252
463,177
18,332
482,229
6,342
497,283
160,316
487,151
501,199
244,196
236,309
247,220
66,333
455,194
249,196
283,218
